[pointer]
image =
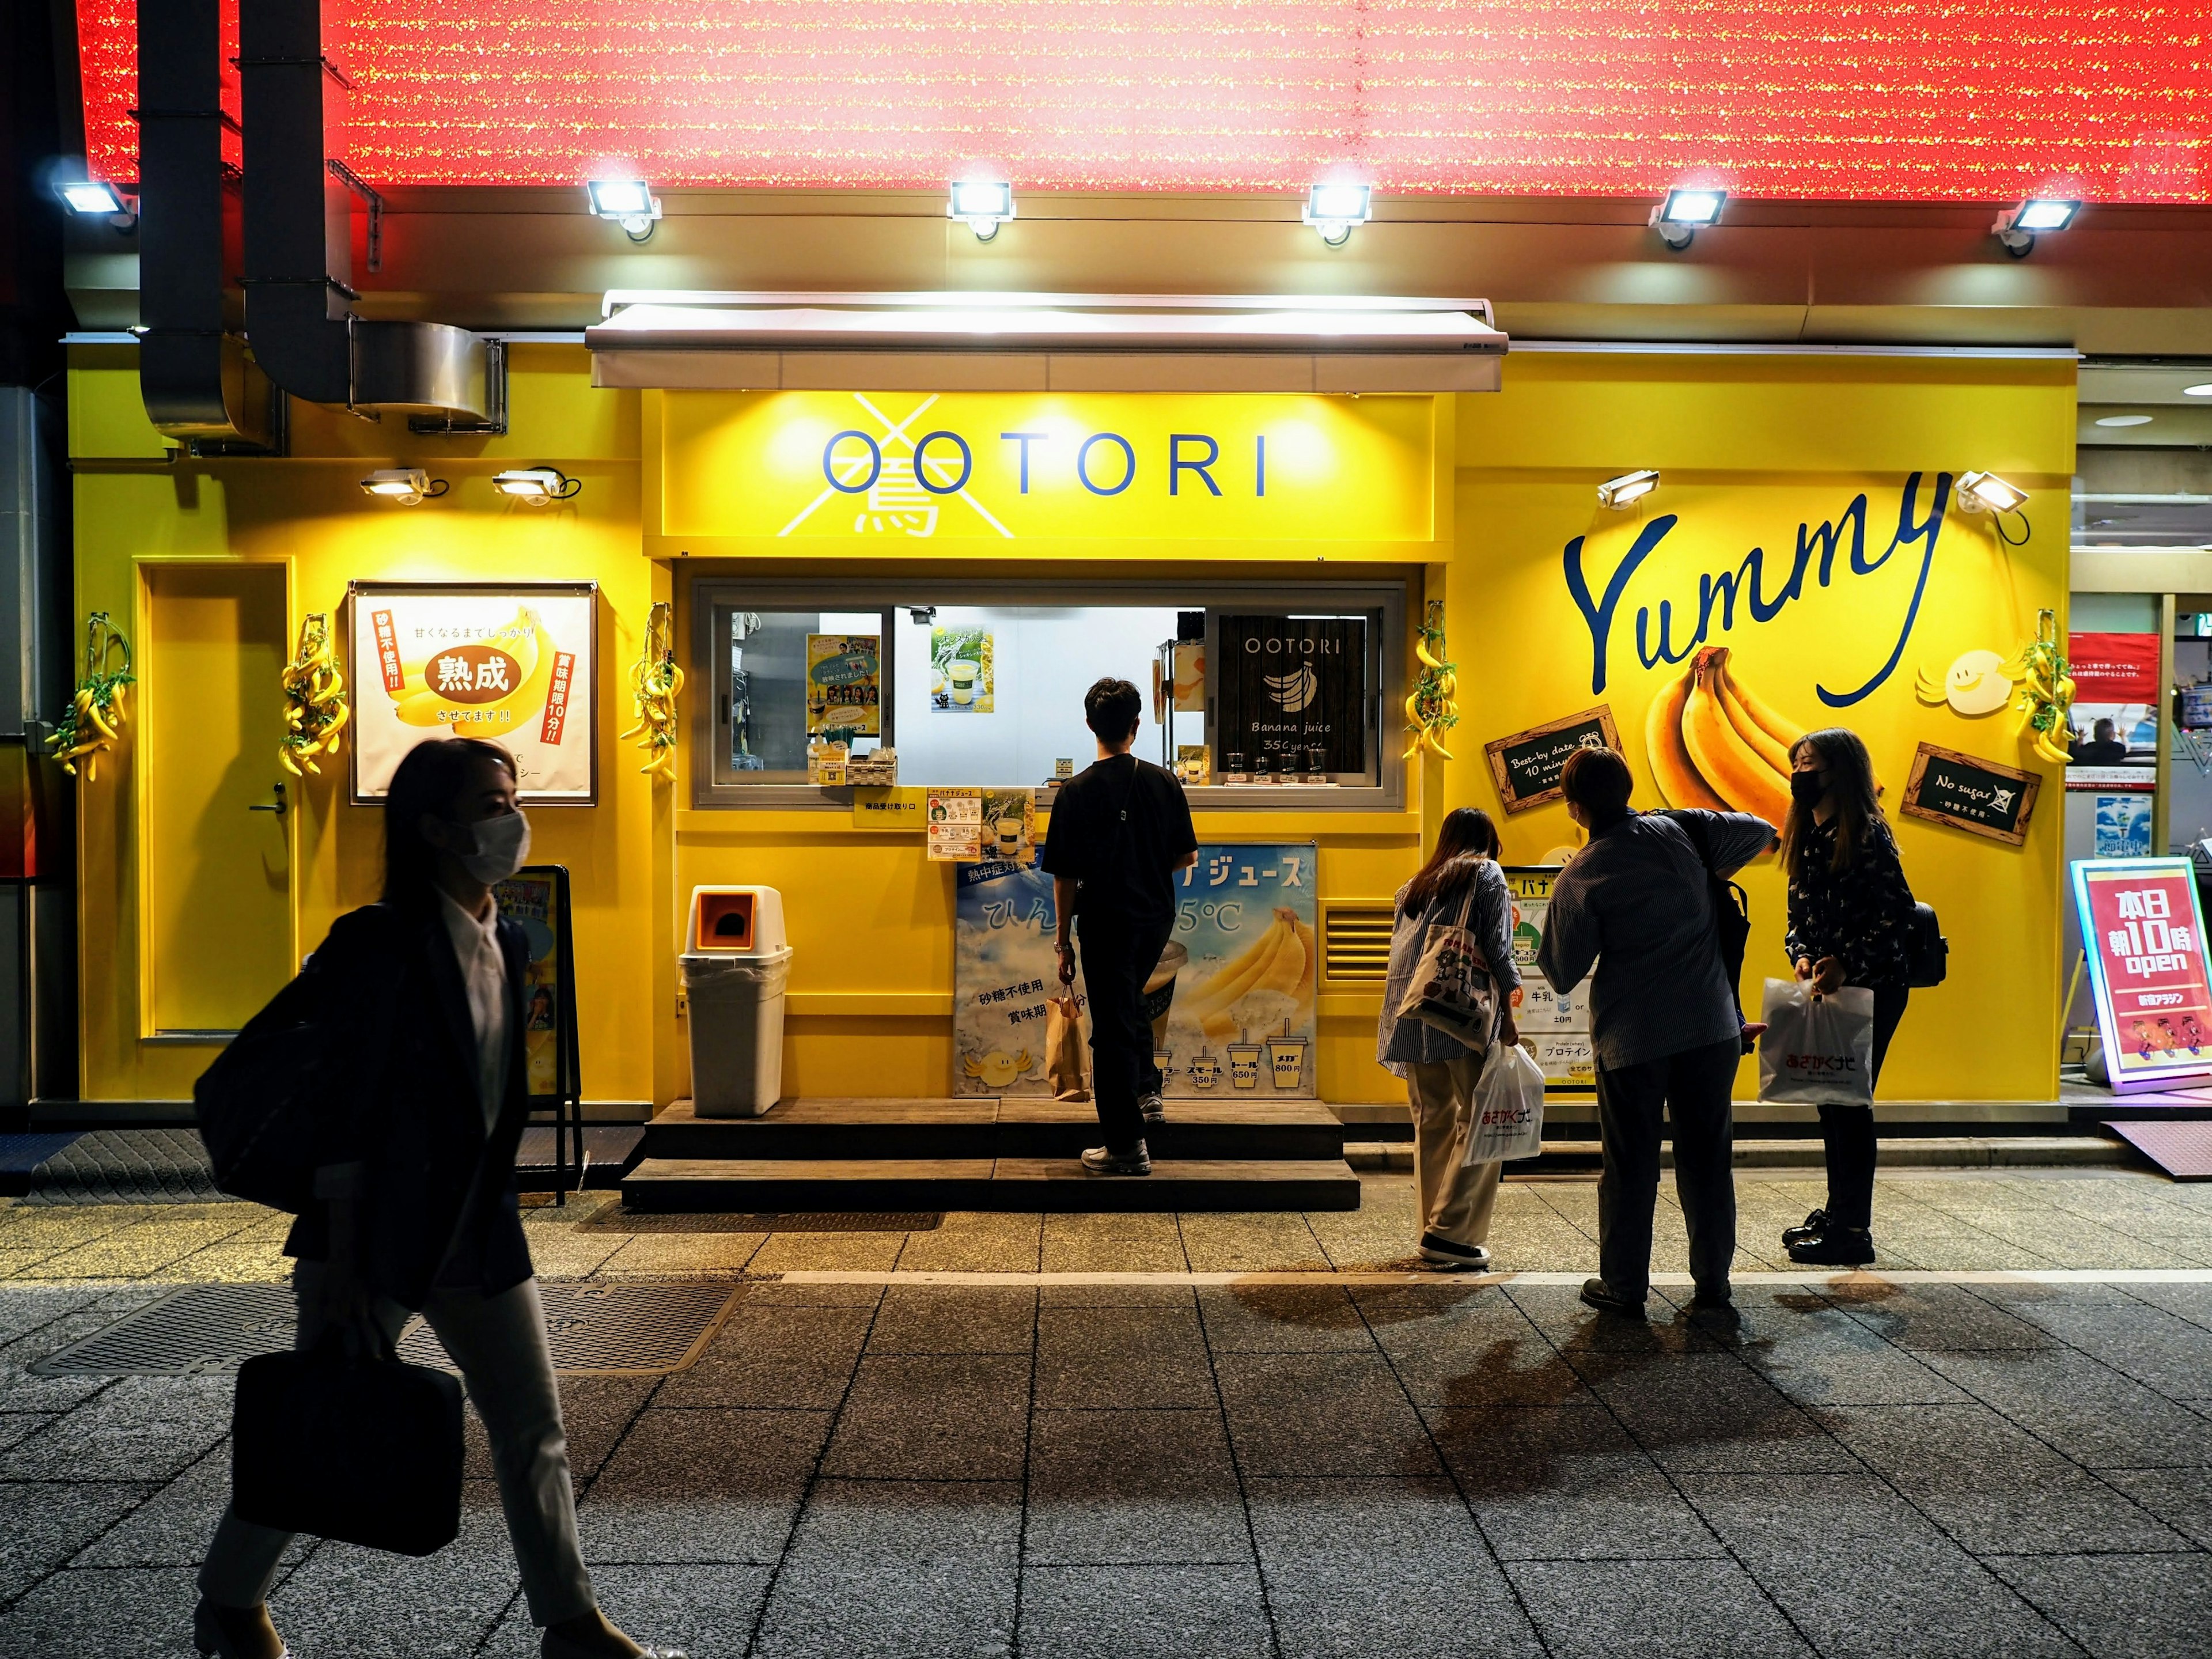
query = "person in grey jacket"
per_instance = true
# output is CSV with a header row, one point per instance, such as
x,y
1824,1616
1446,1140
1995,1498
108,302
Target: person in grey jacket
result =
x,y
1461,876
1636,902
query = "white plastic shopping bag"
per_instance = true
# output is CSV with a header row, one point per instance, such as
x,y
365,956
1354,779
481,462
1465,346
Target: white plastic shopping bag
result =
x,y
1509,1107
1818,1050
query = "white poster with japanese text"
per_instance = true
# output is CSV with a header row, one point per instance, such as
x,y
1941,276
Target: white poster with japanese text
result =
x,y
516,665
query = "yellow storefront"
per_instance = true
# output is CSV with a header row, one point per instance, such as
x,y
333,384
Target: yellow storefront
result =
x,y
1833,466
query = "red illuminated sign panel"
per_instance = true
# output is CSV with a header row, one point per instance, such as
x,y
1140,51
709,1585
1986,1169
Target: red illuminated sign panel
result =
x,y
2145,939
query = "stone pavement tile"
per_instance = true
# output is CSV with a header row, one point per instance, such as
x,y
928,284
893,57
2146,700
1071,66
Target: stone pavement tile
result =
x,y
898,1569
2072,1402
1088,1244
1233,1243
2182,1497
778,1293
16,1427
26,1308
1932,1317
1467,1345
802,1252
367,1604
569,1254
1108,1487
970,1241
662,1255
171,1528
770,1356
1552,1485
1111,1357
1381,1233
1862,1574
2082,1243
256,1261
2125,1607
1990,1485
143,1428
95,1610
2158,1350
1382,1570
703,1485
20,1391
1558,1311
1709,1411
20,1264
704,1610
934,1319
933,1417
1652,1610
1282,1319
2192,1303
1111,1294
1320,1414
1160,1613
1819,1355
595,1410
61,1227
43,1524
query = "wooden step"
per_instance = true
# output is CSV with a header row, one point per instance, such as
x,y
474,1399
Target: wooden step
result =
x,y
788,1185
1015,1126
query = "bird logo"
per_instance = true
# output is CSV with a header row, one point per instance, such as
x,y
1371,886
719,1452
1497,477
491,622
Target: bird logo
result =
x,y
1978,683
1294,693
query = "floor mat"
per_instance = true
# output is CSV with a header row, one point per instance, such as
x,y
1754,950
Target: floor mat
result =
x,y
2183,1150
125,1166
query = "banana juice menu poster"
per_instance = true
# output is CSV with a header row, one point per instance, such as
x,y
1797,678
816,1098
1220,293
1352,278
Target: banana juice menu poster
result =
x,y
536,899
514,664
1554,1024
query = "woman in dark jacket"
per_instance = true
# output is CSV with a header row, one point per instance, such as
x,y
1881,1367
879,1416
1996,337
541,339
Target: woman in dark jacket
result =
x,y
414,1207
1850,910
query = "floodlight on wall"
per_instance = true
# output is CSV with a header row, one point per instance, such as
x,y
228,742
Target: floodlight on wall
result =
x,y
1986,492
535,484
405,485
982,205
1627,490
629,203
2017,228
95,198
1684,213
1337,210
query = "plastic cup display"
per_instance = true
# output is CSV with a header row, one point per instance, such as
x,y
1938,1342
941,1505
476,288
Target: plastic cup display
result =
x,y
961,676
1205,1072
1244,1064
1287,1061
1159,989
1009,834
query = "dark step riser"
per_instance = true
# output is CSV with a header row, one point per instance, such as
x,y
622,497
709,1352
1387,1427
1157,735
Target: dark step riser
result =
x,y
920,1141
1122,1195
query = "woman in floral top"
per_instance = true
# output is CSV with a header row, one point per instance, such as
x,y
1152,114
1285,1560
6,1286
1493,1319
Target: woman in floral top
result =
x,y
1849,910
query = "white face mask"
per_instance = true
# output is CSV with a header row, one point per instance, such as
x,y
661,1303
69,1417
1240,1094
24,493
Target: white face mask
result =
x,y
502,843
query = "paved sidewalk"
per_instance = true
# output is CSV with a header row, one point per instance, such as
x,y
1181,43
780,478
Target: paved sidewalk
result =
x,y
1133,1466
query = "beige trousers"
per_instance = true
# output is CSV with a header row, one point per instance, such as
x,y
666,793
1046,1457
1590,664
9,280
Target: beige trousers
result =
x,y
1456,1199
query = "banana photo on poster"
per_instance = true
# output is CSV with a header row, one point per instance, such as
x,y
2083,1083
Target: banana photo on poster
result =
x,y
516,664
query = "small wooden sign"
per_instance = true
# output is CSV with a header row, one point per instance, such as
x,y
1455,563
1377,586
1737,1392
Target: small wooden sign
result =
x,y
1526,765
1968,792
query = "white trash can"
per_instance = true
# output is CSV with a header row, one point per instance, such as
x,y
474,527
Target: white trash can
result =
x,y
736,966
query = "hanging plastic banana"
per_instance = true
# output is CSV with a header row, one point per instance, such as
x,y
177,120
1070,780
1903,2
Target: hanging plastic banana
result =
x,y
315,709
2045,700
1432,706
93,720
655,681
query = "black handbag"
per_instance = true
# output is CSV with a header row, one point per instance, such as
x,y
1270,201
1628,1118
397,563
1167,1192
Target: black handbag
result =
x,y
1926,952
367,1452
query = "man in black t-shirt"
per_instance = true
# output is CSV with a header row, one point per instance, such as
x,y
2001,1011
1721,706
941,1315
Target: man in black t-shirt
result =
x,y
1118,833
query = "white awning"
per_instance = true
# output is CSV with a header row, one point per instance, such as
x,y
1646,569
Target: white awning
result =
x,y
1043,343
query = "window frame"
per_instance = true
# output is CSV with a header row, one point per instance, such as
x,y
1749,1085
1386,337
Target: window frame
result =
x,y
716,787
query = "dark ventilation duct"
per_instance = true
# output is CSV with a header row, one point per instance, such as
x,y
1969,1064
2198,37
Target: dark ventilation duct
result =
x,y
299,242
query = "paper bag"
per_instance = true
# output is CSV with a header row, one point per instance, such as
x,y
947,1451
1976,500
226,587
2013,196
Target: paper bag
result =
x,y
1063,1050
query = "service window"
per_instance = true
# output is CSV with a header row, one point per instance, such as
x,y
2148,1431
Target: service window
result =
x,y
1249,692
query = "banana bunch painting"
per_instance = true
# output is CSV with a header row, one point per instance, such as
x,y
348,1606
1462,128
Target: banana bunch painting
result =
x,y
1716,743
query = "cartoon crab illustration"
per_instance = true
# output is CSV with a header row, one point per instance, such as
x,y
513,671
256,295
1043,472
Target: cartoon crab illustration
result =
x,y
998,1068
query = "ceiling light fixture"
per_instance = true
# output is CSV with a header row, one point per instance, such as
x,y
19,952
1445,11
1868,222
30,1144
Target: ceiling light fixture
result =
x,y
2124,420
1986,492
2204,391
1686,212
1337,210
405,485
2017,228
535,484
982,205
629,203
1628,488
95,198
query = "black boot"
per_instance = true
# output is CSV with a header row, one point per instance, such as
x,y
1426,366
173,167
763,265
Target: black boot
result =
x,y
1816,1224
1838,1247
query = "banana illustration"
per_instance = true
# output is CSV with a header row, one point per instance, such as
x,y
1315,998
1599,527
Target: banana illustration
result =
x,y
1731,767
1280,960
1671,765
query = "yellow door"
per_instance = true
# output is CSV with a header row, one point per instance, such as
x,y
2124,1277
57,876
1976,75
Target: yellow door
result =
x,y
217,861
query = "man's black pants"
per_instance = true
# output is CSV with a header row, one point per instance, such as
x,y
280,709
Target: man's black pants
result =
x,y
1118,957
1692,1087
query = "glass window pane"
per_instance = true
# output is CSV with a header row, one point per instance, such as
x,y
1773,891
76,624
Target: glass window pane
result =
x,y
769,690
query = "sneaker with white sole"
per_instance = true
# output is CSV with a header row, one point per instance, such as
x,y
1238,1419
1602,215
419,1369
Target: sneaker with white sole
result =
x,y
1154,1109
1441,1252
1105,1161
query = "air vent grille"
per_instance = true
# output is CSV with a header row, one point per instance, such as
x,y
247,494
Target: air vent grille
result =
x,y
1356,943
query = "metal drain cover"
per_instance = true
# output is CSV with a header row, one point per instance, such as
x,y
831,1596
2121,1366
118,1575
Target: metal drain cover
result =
x,y
208,1329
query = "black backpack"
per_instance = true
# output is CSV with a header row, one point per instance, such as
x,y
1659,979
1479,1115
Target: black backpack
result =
x,y
1926,952
254,1108
1731,914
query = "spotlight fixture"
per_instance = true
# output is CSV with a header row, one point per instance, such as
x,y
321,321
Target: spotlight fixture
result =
x,y
405,484
2124,420
922,616
629,203
535,484
95,198
2017,228
1337,210
1684,213
1628,488
1986,492
982,205
2204,391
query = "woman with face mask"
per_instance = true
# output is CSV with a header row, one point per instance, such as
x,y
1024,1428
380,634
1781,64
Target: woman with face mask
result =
x,y
1850,911
414,1207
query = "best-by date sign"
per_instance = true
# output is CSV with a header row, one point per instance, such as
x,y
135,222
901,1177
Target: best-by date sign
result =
x,y
2145,937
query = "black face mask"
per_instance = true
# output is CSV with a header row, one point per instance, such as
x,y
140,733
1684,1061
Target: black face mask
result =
x,y
1807,788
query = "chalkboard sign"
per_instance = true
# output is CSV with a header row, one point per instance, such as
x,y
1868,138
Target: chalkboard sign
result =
x,y
1290,687
1526,765
1968,792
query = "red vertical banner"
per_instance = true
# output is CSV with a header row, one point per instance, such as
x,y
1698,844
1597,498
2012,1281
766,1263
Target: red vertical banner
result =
x,y
556,697
387,652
